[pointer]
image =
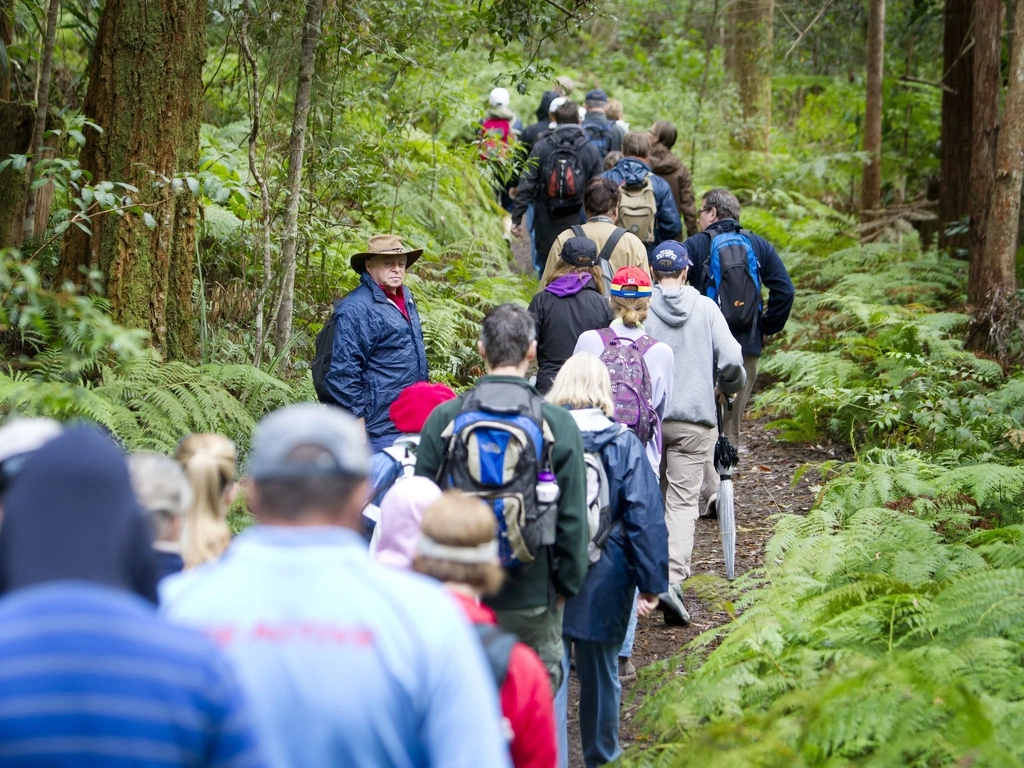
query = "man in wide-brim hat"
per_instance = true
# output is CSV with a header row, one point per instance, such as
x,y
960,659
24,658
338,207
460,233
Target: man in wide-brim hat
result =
x,y
378,342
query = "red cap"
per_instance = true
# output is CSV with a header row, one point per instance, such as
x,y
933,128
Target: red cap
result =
x,y
412,407
631,282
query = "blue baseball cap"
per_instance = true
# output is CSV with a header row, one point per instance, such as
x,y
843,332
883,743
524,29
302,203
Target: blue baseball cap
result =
x,y
596,95
671,256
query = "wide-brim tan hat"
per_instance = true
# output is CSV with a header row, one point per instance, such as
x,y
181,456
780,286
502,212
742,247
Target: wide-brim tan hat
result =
x,y
384,244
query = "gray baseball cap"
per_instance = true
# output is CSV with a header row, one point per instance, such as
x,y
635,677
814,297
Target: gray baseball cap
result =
x,y
342,444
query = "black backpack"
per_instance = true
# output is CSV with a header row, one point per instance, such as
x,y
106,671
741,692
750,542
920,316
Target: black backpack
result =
x,y
562,175
598,133
321,364
495,448
497,645
732,278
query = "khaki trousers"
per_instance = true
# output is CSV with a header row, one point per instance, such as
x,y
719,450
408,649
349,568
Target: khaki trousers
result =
x,y
731,420
686,447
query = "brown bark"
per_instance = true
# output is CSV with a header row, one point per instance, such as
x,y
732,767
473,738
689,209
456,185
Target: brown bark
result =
x,y
984,132
293,183
39,127
6,36
15,139
957,116
145,92
994,277
871,185
750,57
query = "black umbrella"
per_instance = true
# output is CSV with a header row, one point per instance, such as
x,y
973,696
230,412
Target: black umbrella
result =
x,y
726,460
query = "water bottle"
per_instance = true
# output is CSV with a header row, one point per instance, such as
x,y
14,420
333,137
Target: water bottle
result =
x,y
547,488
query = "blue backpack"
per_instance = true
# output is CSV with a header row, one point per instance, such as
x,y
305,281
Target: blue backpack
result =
x,y
495,447
733,280
599,134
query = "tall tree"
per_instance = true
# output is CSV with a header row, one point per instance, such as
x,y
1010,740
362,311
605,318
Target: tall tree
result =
x,y
871,186
6,37
145,92
296,152
42,107
750,57
957,117
984,133
994,279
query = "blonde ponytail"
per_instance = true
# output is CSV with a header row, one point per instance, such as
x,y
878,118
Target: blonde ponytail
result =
x,y
209,464
632,312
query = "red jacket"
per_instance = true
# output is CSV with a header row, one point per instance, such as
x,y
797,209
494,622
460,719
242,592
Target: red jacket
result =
x,y
526,698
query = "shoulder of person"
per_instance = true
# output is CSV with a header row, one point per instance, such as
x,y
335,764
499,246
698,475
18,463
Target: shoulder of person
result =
x,y
558,418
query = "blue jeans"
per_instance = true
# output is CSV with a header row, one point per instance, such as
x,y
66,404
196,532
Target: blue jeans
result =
x,y
528,225
597,669
562,713
627,644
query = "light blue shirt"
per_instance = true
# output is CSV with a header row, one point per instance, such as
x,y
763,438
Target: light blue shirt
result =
x,y
345,662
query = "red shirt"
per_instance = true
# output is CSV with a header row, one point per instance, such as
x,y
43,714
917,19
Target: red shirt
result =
x,y
526,699
398,297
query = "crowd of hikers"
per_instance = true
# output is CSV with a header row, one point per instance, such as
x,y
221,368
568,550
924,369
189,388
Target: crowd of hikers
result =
x,y
426,569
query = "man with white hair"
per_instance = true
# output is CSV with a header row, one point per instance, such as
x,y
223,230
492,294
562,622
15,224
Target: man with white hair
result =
x,y
165,495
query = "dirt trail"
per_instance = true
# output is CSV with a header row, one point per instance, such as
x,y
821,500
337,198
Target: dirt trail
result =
x,y
763,487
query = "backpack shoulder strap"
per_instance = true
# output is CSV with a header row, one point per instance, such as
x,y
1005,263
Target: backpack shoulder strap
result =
x,y
609,246
578,231
608,336
644,343
497,645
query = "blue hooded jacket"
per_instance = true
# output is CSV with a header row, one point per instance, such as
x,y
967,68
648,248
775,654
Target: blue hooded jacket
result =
x,y
667,224
377,353
636,553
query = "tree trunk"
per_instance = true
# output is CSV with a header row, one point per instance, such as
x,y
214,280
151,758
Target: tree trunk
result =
x,y
995,280
751,59
957,116
39,127
296,151
6,36
871,185
15,139
984,132
145,92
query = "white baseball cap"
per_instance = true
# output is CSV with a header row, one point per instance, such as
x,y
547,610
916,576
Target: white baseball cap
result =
x,y
499,98
556,103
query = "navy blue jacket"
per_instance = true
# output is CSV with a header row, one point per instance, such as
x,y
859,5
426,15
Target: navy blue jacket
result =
x,y
636,553
773,276
377,353
667,225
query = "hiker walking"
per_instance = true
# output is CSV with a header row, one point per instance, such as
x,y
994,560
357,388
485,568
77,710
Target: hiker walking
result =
x,y
340,656
606,135
457,547
570,303
499,131
721,243
92,675
628,550
616,247
209,463
708,356
642,369
561,166
647,208
372,347
502,442
165,495
671,169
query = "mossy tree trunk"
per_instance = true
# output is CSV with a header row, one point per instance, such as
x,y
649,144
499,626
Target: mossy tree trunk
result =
x,y
145,92
750,57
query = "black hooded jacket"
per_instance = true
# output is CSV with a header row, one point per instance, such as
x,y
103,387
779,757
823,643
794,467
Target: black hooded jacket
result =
x,y
71,514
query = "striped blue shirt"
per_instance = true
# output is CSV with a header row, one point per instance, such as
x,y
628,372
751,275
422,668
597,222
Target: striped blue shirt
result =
x,y
90,675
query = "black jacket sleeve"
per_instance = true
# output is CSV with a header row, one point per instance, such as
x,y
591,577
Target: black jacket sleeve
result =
x,y
775,278
529,184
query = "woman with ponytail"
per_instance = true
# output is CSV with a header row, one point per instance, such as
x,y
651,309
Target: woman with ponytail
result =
x,y
209,463
631,301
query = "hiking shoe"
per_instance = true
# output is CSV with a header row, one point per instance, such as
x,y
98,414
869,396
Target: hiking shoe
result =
x,y
672,608
627,672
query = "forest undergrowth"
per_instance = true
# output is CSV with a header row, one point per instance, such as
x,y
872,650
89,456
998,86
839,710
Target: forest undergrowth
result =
x,y
887,625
